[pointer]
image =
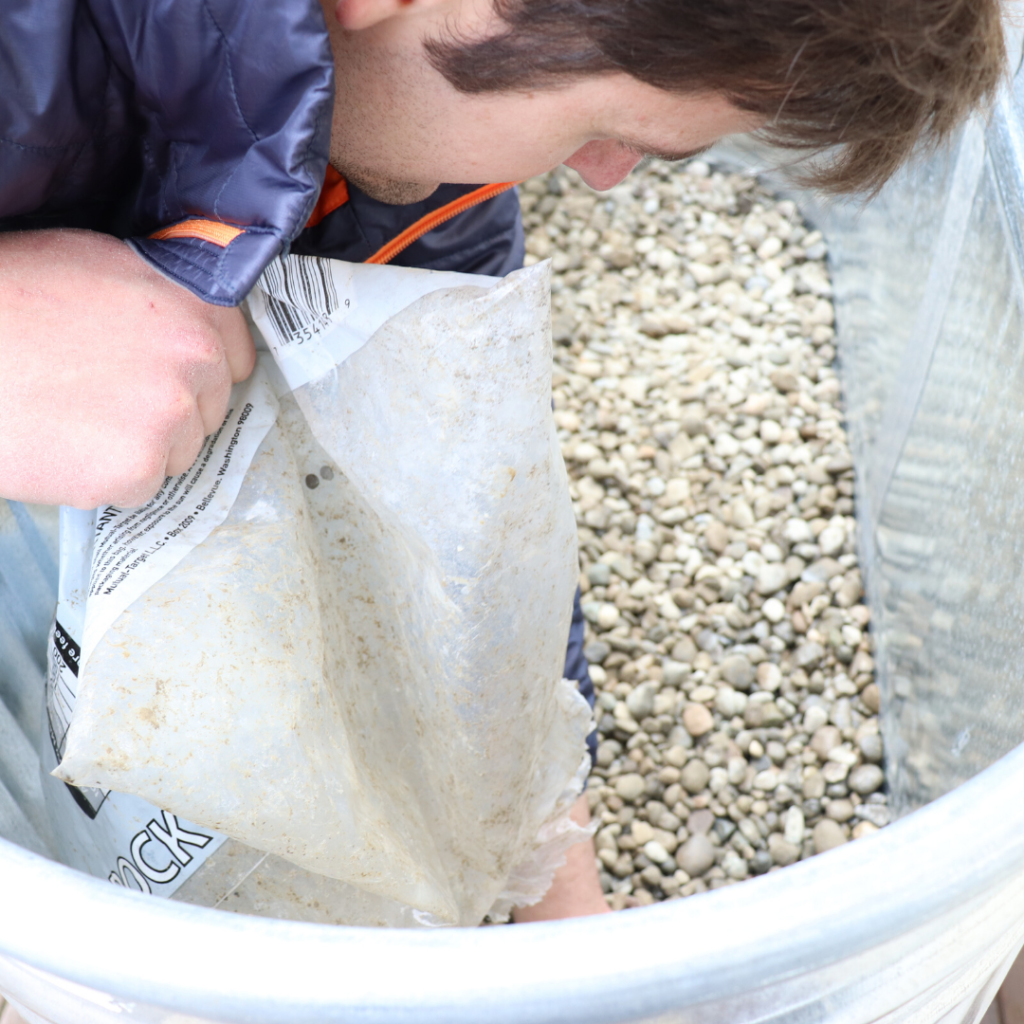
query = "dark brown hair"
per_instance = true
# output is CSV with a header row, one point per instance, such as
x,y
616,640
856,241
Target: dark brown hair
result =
x,y
874,77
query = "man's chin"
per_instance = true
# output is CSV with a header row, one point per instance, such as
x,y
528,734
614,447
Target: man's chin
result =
x,y
394,193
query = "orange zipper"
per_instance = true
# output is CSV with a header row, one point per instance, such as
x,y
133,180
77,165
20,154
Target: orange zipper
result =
x,y
386,253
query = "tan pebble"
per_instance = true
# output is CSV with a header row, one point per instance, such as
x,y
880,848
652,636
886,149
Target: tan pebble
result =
x,y
685,650
782,852
825,740
667,839
697,719
677,756
717,536
870,696
769,676
695,776
862,829
828,834
814,786
642,832
840,810
630,786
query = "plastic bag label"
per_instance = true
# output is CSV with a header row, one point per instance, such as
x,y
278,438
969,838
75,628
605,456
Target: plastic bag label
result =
x,y
297,303
133,548
116,836
314,312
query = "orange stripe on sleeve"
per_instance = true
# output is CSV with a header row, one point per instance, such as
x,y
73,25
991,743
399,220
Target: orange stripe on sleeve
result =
x,y
213,231
386,253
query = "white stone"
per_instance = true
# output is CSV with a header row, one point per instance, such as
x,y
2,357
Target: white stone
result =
x,y
831,540
793,825
771,578
796,531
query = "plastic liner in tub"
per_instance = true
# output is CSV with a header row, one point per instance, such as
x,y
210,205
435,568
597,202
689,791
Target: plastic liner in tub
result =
x,y
917,923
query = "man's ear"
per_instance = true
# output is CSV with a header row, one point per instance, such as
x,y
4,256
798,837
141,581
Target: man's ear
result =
x,y
353,15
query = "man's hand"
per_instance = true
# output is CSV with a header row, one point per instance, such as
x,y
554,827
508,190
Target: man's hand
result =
x,y
110,375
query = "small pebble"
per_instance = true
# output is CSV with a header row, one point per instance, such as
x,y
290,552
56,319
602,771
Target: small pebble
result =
x,y
697,719
840,810
782,851
870,696
738,671
827,835
866,779
694,777
696,855
630,787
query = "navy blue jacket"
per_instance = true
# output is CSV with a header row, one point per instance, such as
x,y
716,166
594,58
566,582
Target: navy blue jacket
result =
x,y
128,116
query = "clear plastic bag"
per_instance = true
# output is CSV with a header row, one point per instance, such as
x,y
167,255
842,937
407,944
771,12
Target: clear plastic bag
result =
x,y
357,669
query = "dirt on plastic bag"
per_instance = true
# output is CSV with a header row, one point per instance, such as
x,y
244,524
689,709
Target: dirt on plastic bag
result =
x,y
338,639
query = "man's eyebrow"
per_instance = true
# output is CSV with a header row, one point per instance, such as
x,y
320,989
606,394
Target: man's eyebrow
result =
x,y
670,157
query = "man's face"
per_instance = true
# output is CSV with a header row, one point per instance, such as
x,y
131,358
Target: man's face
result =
x,y
400,129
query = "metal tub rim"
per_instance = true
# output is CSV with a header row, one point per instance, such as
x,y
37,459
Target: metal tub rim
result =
x,y
219,965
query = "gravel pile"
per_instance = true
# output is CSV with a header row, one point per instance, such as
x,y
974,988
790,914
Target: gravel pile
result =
x,y
699,417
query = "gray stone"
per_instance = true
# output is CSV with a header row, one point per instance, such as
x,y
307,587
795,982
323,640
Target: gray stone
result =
x,y
700,822
782,851
630,787
724,828
729,702
871,746
878,814
808,655
684,650
814,718
674,673
814,786
764,715
654,851
828,834
738,672
865,779
694,777
596,651
840,810
599,574
696,855
641,701
825,740
771,577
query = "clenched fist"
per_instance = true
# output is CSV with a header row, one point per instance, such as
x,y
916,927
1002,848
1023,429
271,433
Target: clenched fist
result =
x,y
110,375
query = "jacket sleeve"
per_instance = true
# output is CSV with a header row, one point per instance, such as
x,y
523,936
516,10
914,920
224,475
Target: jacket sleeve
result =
x,y
236,98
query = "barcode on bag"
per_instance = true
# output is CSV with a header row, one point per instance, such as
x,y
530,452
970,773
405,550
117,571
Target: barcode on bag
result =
x,y
301,298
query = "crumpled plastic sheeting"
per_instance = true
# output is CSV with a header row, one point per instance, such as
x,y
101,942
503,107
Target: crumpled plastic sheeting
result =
x,y
364,678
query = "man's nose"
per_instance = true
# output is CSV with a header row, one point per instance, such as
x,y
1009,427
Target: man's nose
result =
x,y
603,163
